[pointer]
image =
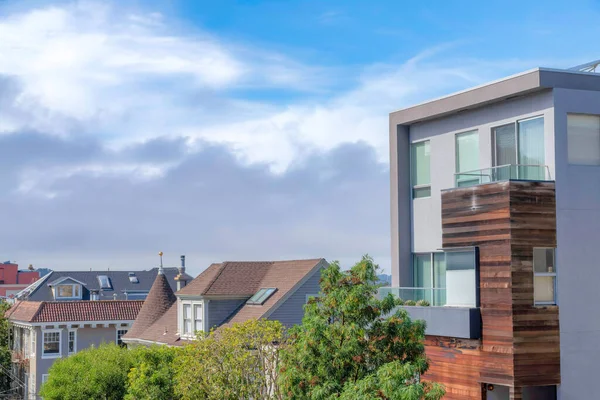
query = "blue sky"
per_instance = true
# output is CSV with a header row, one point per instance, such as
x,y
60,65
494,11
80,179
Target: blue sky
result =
x,y
234,130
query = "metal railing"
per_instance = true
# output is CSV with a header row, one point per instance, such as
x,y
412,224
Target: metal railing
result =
x,y
506,172
435,296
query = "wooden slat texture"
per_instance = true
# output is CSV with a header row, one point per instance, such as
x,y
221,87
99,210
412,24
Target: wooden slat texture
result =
x,y
520,343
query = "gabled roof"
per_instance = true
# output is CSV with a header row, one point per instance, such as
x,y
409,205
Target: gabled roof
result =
x,y
74,311
159,300
119,280
238,279
65,278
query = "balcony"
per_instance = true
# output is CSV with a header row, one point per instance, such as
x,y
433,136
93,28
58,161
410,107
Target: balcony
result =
x,y
502,173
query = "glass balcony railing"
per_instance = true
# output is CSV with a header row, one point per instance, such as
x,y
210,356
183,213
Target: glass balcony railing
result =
x,y
502,173
435,296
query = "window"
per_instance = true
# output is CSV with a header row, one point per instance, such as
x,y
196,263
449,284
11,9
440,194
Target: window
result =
x,y
104,282
120,333
467,158
583,135
45,378
137,295
420,169
26,343
198,317
187,319
69,291
72,341
261,296
51,344
33,343
544,275
133,278
429,274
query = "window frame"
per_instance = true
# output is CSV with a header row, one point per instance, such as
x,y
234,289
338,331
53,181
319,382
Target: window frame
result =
x,y
546,274
569,140
195,319
181,320
117,337
75,287
74,332
517,133
457,157
414,187
52,355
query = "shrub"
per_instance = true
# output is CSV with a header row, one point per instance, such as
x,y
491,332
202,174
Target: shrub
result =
x,y
423,303
410,303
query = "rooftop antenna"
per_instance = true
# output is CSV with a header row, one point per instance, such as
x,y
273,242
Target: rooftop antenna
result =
x,y
160,269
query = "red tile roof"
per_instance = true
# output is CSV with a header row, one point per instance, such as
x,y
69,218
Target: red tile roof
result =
x,y
74,311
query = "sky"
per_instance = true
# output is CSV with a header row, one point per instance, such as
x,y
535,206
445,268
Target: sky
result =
x,y
234,130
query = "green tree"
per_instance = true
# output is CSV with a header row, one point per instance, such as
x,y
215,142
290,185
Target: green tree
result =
x,y
94,373
152,377
352,345
4,347
237,362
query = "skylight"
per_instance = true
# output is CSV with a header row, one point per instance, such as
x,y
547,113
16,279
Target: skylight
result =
x,y
261,296
104,282
133,278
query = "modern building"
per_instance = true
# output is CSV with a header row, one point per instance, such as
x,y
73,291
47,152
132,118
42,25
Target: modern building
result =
x,y
13,280
95,285
45,331
495,215
223,294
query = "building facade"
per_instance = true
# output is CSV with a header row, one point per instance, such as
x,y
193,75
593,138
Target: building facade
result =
x,y
13,280
495,207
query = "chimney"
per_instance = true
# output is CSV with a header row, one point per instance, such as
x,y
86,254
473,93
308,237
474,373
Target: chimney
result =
x,y
94,295
182,278
114,296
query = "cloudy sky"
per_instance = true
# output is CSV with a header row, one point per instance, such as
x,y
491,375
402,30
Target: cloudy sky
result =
x,y
230,130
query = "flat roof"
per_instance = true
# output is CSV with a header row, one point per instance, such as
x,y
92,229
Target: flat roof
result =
x,y
520,84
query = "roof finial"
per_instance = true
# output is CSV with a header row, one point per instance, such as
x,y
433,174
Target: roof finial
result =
x,y
160,269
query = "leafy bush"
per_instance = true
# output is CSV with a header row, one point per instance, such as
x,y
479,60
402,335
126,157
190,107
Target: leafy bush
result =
x,y
410,303
423,303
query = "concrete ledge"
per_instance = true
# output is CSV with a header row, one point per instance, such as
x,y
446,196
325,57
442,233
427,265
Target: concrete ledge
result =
x,y
459,322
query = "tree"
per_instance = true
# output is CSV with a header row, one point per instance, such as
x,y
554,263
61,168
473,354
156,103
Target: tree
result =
x,y
237,362
94,373
4,347
152,377
353,345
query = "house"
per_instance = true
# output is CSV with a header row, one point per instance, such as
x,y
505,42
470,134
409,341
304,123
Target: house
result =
x,y
495,215
13,280
225,293
44,331
95,285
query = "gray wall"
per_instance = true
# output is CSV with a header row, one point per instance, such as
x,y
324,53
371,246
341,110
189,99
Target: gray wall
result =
x,y
292,311
578,264
220,310
425,225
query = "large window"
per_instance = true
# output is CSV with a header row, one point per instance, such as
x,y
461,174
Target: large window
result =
x,y
467,158
51,344
69,291
520,143
72,341
583,132
420,169
429,273
544,275
187,319
198,317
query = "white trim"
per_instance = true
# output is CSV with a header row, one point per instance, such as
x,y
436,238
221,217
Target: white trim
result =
x,y
180,320
64,278
143,341
74,330
70,323
59,354
320,265
74,286
45,378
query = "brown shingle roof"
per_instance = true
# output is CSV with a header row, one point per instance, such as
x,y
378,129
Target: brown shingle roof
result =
x,y
72,311
159,300
237,278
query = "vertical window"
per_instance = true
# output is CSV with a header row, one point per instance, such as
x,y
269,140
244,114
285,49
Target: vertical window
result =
x,y
33,343
26,343
187,319
420,169
198,317
467,158
531,149
120,334
544,275
51,344
45,378
583,135
72,341
423,277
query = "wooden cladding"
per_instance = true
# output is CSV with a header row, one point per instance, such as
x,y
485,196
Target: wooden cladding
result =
x,y
520,342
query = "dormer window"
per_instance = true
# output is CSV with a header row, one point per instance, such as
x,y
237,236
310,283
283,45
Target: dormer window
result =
x,y
261,296
191,317
67,291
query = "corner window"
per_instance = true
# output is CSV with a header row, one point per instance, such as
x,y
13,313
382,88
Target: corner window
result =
x,y
70,291
467,159
51,344
583,136
72,341
420,169
120,334
544,275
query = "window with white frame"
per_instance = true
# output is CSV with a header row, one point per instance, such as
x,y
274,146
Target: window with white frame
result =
x,y
51,344
26,343
583,137
198,317
45,378
120,334
544,275
187,319
72,341
191,317
420,169
68,291
33,343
